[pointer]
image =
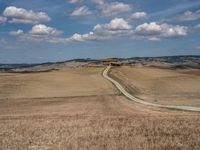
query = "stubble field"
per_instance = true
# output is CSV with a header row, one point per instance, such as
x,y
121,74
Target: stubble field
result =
x,y
61,83
84,111
163,86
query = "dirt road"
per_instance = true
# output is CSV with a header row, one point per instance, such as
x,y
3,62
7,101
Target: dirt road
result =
x,y
128,95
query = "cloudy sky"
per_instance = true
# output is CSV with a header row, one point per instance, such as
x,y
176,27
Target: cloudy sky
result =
x,y
33,31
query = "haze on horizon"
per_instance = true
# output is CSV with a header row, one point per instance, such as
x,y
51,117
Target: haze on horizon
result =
x,y
45,31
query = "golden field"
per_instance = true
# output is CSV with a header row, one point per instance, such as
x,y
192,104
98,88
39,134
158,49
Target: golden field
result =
x,y
78,109
164,86
63,83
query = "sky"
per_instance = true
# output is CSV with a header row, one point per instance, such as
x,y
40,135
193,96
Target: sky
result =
x,y
37,31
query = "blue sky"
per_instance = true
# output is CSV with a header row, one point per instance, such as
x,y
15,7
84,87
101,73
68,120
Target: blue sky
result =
x,y
35,31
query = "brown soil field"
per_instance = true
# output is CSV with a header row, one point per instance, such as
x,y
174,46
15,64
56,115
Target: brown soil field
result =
x,y
98,119
62,83
164,86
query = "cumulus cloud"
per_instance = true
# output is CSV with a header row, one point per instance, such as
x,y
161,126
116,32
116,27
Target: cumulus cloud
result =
x,y
188,16
114,8
39,33
148,29
155,39
99,2
156,31
94,1
118,24
21,21
77,37
116,28
3,19
83,37
106,8
138,15
16,33
75,1
173,31
82,11
119,27
21,15
44,30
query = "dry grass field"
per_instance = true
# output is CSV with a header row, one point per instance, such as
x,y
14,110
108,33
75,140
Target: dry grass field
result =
x,y
94,122
78,109
67,82
175,87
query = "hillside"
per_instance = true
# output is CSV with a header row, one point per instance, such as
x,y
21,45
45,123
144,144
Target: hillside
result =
x,y
168,62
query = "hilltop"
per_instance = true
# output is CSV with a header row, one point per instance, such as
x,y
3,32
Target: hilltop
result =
x,y
168,62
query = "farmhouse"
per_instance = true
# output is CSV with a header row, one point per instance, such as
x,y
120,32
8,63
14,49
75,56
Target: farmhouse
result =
x,y
112,62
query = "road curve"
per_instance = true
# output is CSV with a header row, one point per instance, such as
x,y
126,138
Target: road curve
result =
x,y
131,97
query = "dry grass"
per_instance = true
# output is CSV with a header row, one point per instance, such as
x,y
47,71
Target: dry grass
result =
x,y
100,122
162,85
62,83
90,122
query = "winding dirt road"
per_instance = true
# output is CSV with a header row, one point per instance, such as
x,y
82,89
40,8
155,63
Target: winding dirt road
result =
x,y
133,98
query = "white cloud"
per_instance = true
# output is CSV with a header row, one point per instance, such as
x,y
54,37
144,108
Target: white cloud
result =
x,y
82,11
106,8
148,29
16,33
189,16
44,30
138,15
114,8
117,27
3,19
155,39
39,33
83,37
77,37
21,15
118,24
173,31
156,31
75,1
99,2
21,21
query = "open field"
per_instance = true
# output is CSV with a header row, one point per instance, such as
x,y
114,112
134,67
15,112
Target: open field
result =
x,y
61,83
164,86
94,122
82,110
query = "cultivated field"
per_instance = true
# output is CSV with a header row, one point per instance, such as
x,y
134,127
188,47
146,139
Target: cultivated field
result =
x,y
95,122
164,86
61,83
78,109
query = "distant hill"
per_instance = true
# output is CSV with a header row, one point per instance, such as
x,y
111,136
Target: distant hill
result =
x,y
171,62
